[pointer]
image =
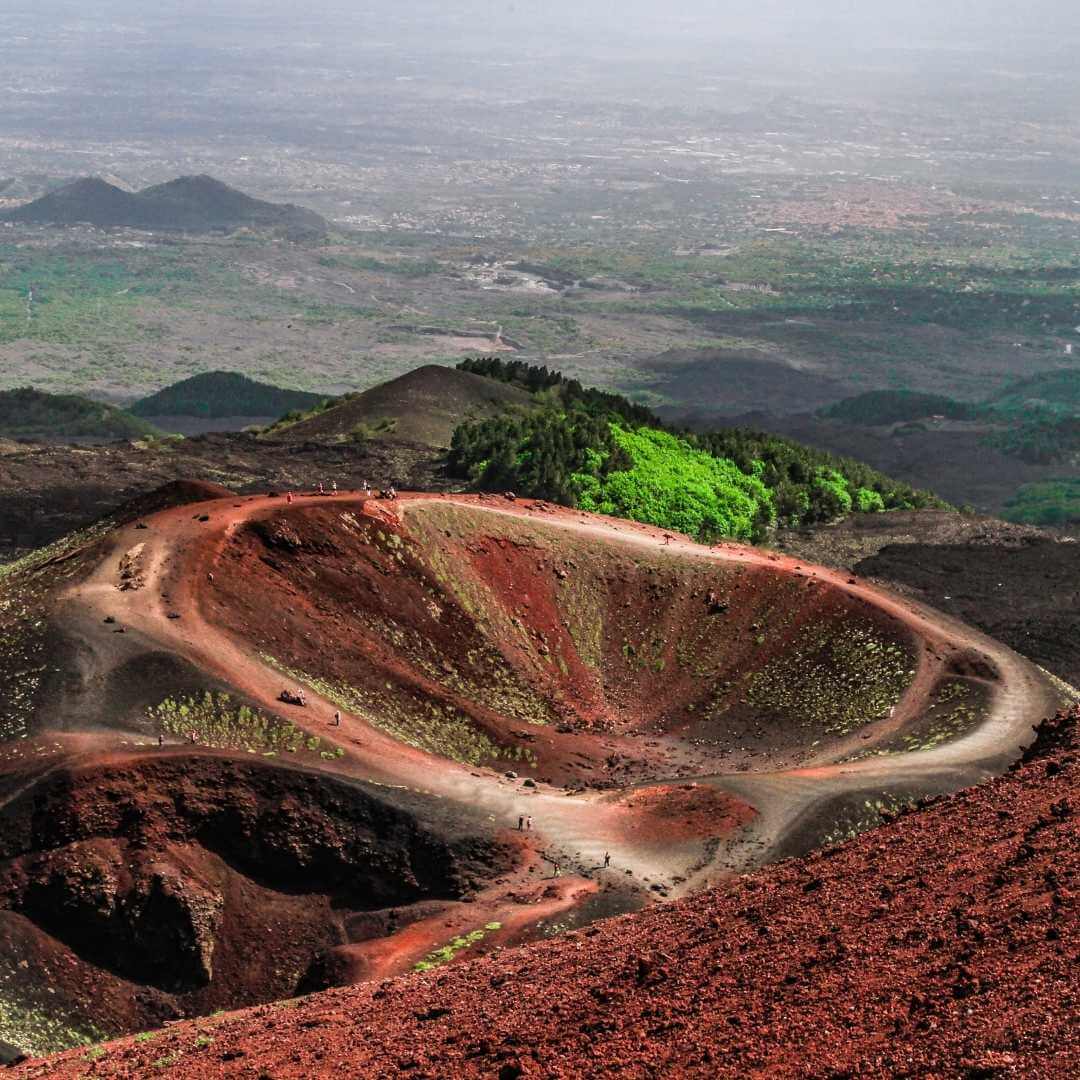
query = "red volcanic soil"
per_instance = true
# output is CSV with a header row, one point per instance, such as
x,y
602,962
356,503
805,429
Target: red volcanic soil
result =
x,y
682,811
945,943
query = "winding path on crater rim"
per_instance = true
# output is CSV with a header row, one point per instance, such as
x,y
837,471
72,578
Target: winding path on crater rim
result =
x,y
178,555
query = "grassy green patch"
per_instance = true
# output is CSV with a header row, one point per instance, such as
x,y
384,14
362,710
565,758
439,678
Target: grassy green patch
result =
x,y
36,1029
27,412
1048,502
223,393
24,585
857,819
409,267
455,946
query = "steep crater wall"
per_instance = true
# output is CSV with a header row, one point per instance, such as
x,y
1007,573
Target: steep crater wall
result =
x,y
201,882
492,639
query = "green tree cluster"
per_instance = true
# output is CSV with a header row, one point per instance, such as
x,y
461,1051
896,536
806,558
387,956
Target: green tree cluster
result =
x,y
735,483
877,407
569,392
671,484
1040,441
1047,502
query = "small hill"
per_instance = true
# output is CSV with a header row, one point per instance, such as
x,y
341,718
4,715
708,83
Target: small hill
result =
x,y
90,199
223,393
173,493
879,407
189,204
422,407
1047,391
29,413
201,202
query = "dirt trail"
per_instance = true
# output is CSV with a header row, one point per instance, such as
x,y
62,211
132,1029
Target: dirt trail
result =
x,y
179,549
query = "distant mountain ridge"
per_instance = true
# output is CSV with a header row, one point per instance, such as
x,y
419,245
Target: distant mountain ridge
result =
x,y
186,204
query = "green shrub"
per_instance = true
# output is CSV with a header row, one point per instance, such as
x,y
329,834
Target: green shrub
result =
x,y
673,485
216,720
868,502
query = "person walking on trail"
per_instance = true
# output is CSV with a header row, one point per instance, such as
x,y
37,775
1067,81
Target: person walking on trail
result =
x,y
321,492
528,823
556,870
607,859
521,822
333,487
288,496
337,718
210,576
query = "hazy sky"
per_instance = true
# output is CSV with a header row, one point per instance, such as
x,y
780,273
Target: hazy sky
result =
x,y
878,21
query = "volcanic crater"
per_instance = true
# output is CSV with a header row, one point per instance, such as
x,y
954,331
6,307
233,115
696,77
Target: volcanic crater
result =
x,y
488,637
516,718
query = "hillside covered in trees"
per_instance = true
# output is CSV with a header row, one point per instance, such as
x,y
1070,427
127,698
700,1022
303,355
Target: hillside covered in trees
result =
x,y
34,414
601,452
898,406
1036,419
223,393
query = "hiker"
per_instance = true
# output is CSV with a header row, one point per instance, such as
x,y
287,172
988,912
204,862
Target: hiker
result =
x,y
521,822
607,859
288,496
210,576
160,739
333,486
556,870
337,718
321,492
528,823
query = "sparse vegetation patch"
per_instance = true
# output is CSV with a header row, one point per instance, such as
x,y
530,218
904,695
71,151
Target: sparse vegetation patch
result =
x,y
456,945
217,720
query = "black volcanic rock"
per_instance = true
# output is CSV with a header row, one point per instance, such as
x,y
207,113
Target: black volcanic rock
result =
x,y
188,204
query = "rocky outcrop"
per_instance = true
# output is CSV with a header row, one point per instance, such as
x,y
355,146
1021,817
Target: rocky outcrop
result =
x,y
149,869
144,918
